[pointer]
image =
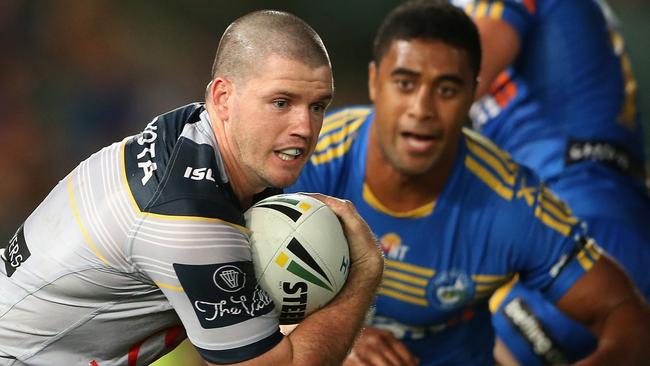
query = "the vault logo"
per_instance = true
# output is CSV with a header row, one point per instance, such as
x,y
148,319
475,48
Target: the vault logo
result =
x,y
229,278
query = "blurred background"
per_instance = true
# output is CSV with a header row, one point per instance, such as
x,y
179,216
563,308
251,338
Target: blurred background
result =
x,y
79,75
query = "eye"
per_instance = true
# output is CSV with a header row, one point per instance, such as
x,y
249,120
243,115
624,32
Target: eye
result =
x,y
448,91
318,108
404,84
281,103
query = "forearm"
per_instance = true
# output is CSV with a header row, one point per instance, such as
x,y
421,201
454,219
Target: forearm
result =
x,y
325,337
621,340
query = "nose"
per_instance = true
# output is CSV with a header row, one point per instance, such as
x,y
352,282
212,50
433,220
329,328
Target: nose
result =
x,y
302,123
422,107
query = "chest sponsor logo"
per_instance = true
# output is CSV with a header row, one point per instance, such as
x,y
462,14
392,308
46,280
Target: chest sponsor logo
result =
x,y
229,278
221,295
393,248
452,289
148,141
15,253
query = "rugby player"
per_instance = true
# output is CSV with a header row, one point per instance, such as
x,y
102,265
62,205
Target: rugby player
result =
x,y
456,217
145,242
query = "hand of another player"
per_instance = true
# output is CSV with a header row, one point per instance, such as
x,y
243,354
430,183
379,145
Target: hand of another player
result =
x,y
378,347
365,255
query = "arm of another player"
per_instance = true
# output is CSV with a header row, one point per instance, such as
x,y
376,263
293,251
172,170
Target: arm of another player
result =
x,y
378,347
500,44
325,337
605,300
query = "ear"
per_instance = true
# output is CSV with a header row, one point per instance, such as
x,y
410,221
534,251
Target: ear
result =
x,y
220,96
372,80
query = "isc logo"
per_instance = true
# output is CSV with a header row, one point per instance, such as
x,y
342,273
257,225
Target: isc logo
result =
x,y
198,173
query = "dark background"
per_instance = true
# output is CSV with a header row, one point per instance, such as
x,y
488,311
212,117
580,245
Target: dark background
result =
x,y
77,75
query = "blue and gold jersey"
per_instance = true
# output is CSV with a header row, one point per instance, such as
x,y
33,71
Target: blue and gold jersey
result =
x,y
574,66
445,259
567,109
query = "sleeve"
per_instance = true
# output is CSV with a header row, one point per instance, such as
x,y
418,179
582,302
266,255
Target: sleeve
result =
x,y
550,249
520,14
204,268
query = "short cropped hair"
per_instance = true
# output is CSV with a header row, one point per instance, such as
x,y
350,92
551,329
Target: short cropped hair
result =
x,y
252,38
434,20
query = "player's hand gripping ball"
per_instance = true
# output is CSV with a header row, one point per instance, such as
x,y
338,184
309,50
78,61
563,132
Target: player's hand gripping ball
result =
x,y
300,254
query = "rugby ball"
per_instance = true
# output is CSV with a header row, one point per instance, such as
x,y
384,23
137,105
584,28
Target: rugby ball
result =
x,y
300,255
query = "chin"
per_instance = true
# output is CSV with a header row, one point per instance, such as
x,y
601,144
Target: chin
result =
x,y
282,182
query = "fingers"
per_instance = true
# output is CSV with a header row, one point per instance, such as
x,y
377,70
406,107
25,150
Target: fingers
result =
x,y
362,241
376,347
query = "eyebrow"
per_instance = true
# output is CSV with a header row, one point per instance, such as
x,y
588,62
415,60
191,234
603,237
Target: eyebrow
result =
x,y
404,72
401,71
327,98
453,78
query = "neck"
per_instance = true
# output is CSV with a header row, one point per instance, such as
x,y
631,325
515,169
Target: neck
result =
x,y
241,184
400,191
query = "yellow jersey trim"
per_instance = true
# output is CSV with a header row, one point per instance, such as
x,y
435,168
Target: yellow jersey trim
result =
x,y
170,287
405,277
404,288
77,216
339,118
242,229
372,200
501,168
423,271
499,295
488,178
403,297
335,138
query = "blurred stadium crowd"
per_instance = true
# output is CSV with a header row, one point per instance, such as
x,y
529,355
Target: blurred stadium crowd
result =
x,y
78,75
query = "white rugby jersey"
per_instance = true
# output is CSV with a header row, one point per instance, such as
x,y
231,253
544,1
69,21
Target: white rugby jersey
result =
x,y
142,242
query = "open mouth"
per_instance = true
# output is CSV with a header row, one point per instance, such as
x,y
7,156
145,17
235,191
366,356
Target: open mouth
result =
x,y
420,142
420,137
289,154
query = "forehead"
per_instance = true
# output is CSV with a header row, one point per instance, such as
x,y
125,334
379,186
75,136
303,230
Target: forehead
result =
x,y
285,72
426,56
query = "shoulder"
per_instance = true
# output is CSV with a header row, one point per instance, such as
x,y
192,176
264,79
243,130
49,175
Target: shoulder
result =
x,y
340,129
489,164
173,169
514,188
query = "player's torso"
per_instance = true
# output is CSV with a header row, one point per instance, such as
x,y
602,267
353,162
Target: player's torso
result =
x,y
68,287
440,266
71,293
571,92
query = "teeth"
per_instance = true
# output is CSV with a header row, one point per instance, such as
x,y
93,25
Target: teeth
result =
x,y
289,154
294,152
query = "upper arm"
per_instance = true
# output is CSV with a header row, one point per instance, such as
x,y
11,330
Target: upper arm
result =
x,y
500,44
597,293
502,26
204,269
